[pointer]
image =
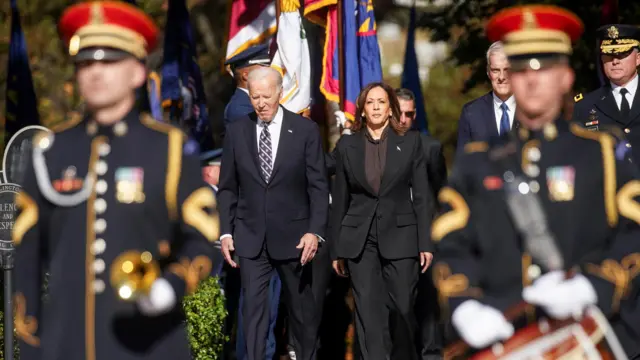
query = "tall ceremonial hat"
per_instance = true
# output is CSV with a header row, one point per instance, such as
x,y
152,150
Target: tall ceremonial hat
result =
x,y
255,55
618,38
535,36
107,30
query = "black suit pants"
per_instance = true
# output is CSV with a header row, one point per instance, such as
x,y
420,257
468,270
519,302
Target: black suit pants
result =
x,y
428,313
384,292
298,296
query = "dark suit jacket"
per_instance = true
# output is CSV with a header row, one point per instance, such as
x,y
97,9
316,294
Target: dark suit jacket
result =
x,y
598,111
239,106
403,224
293,203
436,166
477,121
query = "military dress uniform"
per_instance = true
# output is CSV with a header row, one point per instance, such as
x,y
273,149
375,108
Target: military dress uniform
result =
x,y
93,193
598,109
240,104
587,190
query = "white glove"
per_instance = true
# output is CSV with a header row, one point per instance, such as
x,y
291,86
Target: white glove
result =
x,y
161,299
480,325
341,118
561,298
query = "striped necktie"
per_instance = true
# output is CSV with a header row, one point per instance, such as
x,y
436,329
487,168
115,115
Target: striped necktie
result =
x,y
264,153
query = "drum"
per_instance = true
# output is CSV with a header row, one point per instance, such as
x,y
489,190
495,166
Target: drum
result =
x,y
589,338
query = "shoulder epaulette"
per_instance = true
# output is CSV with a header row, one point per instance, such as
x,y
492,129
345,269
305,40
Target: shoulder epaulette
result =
x,y
147,120
476,146
578,97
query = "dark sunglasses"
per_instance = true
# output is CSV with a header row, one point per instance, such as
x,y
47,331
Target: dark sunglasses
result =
x,y
408,113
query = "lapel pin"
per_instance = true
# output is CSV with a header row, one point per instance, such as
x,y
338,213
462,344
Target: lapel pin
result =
x,y
398,147
603,97
291,131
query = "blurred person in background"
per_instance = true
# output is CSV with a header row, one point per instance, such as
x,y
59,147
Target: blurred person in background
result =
x,y
492,114
427,309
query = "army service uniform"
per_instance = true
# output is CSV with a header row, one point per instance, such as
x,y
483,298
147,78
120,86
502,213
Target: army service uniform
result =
x,y
586,189
92,193
598,109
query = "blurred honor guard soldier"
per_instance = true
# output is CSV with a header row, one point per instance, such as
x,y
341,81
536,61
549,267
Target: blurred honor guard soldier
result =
x,y
241,65
616,103
550,197
106,195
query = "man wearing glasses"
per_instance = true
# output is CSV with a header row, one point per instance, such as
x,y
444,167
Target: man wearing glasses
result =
x,y
426,303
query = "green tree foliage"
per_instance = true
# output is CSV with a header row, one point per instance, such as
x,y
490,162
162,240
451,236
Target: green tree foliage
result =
x,y
206,312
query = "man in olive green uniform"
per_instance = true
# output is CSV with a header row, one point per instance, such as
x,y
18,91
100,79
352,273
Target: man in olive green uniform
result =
x,y
113,183
551,197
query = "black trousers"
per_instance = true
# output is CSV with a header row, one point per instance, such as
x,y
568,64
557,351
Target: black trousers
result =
x,y
384,292
297,283
428,314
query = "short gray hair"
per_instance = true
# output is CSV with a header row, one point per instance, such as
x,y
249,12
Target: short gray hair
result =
x,y
263,73
496,47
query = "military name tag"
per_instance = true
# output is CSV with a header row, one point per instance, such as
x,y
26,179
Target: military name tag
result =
x,y
560,181
129,182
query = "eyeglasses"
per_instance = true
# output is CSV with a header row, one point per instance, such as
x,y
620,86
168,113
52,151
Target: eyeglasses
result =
x,y
408,113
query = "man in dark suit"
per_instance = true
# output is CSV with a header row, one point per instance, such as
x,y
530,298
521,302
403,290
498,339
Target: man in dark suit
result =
x,y
241,65
436,166
608,106
491,114
427,308
238,107
274,200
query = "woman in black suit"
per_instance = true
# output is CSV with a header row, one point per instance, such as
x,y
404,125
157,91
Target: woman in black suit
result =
x,y
380,223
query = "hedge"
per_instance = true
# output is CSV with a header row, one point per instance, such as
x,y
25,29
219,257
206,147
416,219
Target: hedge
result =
x,y
205,312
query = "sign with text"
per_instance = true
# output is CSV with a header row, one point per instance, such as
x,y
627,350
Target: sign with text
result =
x,y
17,155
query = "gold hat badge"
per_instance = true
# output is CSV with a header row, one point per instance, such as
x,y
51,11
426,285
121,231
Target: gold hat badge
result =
x,y
613,32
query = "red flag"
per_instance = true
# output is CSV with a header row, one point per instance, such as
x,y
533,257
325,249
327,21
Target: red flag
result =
x,y
317,11
251,22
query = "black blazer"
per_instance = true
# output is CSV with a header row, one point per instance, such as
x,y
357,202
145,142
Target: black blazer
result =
x,y
294,202
403,224
477,121
436,166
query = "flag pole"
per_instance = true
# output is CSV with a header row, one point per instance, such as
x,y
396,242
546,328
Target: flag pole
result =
x,y
341,64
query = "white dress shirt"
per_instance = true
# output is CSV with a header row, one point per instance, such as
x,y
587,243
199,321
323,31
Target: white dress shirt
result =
x,y
511,110
274,130
632,87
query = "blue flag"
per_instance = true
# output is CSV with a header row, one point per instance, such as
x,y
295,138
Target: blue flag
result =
x,y
182,87
22,106
411,76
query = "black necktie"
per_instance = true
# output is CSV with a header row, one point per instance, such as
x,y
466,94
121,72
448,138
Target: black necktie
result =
x,y
624,105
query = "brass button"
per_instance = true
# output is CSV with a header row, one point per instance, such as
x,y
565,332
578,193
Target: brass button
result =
x,y
98,266
98,286
98,246
100,206
101,167
100,226
101,186
533,272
